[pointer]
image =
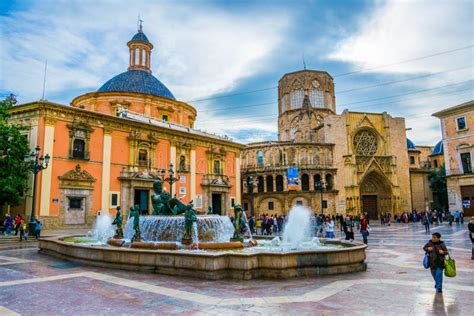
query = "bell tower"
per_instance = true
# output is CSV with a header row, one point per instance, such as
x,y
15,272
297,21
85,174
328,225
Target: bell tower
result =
x,y
140,51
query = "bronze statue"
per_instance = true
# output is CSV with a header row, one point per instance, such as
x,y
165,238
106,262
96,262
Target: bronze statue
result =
x,y
209,210
160,200
239,222
118,222
189,219
136,223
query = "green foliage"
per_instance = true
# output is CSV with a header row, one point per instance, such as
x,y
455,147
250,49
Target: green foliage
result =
x,y
13,148
437,180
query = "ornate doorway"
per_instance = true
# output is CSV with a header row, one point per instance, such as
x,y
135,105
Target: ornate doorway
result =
x,y
375,191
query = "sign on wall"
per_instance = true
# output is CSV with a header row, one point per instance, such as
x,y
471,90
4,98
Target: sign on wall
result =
x,y
198,201
182,190
182,179
292,178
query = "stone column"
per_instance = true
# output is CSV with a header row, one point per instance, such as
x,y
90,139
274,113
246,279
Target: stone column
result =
x,y
106,159
193,174
46,174
238,189
173,161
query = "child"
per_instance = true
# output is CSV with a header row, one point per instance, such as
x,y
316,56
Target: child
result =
x,y
23,230
38,227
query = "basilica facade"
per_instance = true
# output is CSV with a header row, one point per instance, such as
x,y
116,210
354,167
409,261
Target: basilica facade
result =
x,y
108,147
350,163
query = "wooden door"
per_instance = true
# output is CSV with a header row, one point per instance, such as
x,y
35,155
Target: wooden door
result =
x,y
369,206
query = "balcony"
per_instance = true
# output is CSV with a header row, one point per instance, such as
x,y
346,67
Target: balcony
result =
x,y
458,172
283,167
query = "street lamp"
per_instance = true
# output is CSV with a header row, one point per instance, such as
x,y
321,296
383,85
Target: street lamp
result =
x,y
320,185
37,164
250,184
171,179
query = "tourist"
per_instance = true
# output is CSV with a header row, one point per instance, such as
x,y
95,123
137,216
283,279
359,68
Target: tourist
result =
x,y
280,224
329,227
38,227
437,250
364,229
16,223
461,217
275,225
7,225
357,221
252,224
457,215
426,222
23,230
341,222
470,226
349,228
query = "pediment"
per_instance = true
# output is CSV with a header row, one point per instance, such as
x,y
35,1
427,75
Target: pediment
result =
x,y
77,175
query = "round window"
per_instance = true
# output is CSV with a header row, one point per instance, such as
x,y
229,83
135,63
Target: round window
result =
x,y
365,143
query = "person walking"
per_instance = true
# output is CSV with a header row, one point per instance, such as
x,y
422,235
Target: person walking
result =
x,y
364,229
38,227
23,230
426,222
437,251
470,226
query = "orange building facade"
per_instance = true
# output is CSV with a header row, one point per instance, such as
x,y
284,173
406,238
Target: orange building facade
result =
x,y
109,146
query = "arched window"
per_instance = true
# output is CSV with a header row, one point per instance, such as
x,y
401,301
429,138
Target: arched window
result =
x,y
137,56
305,182
269,184
249,185
260,185
260,157
297,97
279,183
317,181
78,150
329,182
143,157
143,57
217,167
316,98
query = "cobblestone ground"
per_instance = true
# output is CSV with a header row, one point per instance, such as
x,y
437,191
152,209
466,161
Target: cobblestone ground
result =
x,y
394,284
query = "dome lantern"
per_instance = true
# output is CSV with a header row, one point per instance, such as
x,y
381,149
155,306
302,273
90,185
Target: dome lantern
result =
x,y
140,51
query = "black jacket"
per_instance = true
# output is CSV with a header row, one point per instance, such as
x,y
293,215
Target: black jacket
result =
x,y
436,259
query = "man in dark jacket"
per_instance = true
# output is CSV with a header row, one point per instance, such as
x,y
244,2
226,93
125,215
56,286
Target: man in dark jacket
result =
x,y
470,226
437,250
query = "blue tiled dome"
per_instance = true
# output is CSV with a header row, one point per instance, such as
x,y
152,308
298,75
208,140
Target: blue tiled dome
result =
x,y
140,36
137,81
410,145
438,149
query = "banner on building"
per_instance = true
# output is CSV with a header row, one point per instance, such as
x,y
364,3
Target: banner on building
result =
x,y
292,178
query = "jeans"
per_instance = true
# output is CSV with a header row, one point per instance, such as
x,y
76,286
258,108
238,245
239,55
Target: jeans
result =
x,y
437,274
330,235
365,234
427,228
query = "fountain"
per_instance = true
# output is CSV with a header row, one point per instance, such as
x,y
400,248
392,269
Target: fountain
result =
x,y
177,241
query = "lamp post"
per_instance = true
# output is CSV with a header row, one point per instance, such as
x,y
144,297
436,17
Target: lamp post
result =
x,y
37,164
250,184
320,185
171,179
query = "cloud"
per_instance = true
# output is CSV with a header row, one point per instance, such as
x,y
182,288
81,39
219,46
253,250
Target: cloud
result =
x,y
395,31
402,30
199,50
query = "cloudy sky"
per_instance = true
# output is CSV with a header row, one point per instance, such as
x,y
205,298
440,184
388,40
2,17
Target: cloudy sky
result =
x,y
409,58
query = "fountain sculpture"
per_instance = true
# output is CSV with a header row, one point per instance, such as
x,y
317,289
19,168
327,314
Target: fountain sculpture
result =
x,y
176,240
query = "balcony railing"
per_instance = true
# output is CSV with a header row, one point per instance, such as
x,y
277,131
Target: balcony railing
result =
x,y
283,166
458,172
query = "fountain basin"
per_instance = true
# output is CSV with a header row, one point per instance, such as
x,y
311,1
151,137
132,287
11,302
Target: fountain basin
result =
x,y
218,264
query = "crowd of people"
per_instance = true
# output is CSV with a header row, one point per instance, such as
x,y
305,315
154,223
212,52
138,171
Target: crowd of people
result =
x,y
18,225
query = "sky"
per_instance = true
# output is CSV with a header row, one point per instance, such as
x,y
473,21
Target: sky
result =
x,y
408,58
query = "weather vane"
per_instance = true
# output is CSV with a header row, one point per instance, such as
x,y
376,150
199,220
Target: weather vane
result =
x,y
140,21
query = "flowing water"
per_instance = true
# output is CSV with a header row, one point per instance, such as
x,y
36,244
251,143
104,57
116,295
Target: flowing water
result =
x,y
102,230
213,228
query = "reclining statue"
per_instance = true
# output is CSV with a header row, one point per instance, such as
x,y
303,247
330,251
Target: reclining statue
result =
x,y
160,200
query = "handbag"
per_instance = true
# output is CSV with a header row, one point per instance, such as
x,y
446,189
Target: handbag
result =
x,y
449,267
426,260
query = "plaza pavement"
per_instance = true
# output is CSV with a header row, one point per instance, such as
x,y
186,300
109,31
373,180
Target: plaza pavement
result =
x,y
395,283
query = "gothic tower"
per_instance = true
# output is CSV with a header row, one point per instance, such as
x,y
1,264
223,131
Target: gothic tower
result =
x,y
305,98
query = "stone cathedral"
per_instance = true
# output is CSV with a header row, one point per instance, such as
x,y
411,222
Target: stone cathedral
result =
x,y
349,163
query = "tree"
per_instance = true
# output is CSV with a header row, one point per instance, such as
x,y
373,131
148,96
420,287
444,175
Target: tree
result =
x,y
14,171
437,180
